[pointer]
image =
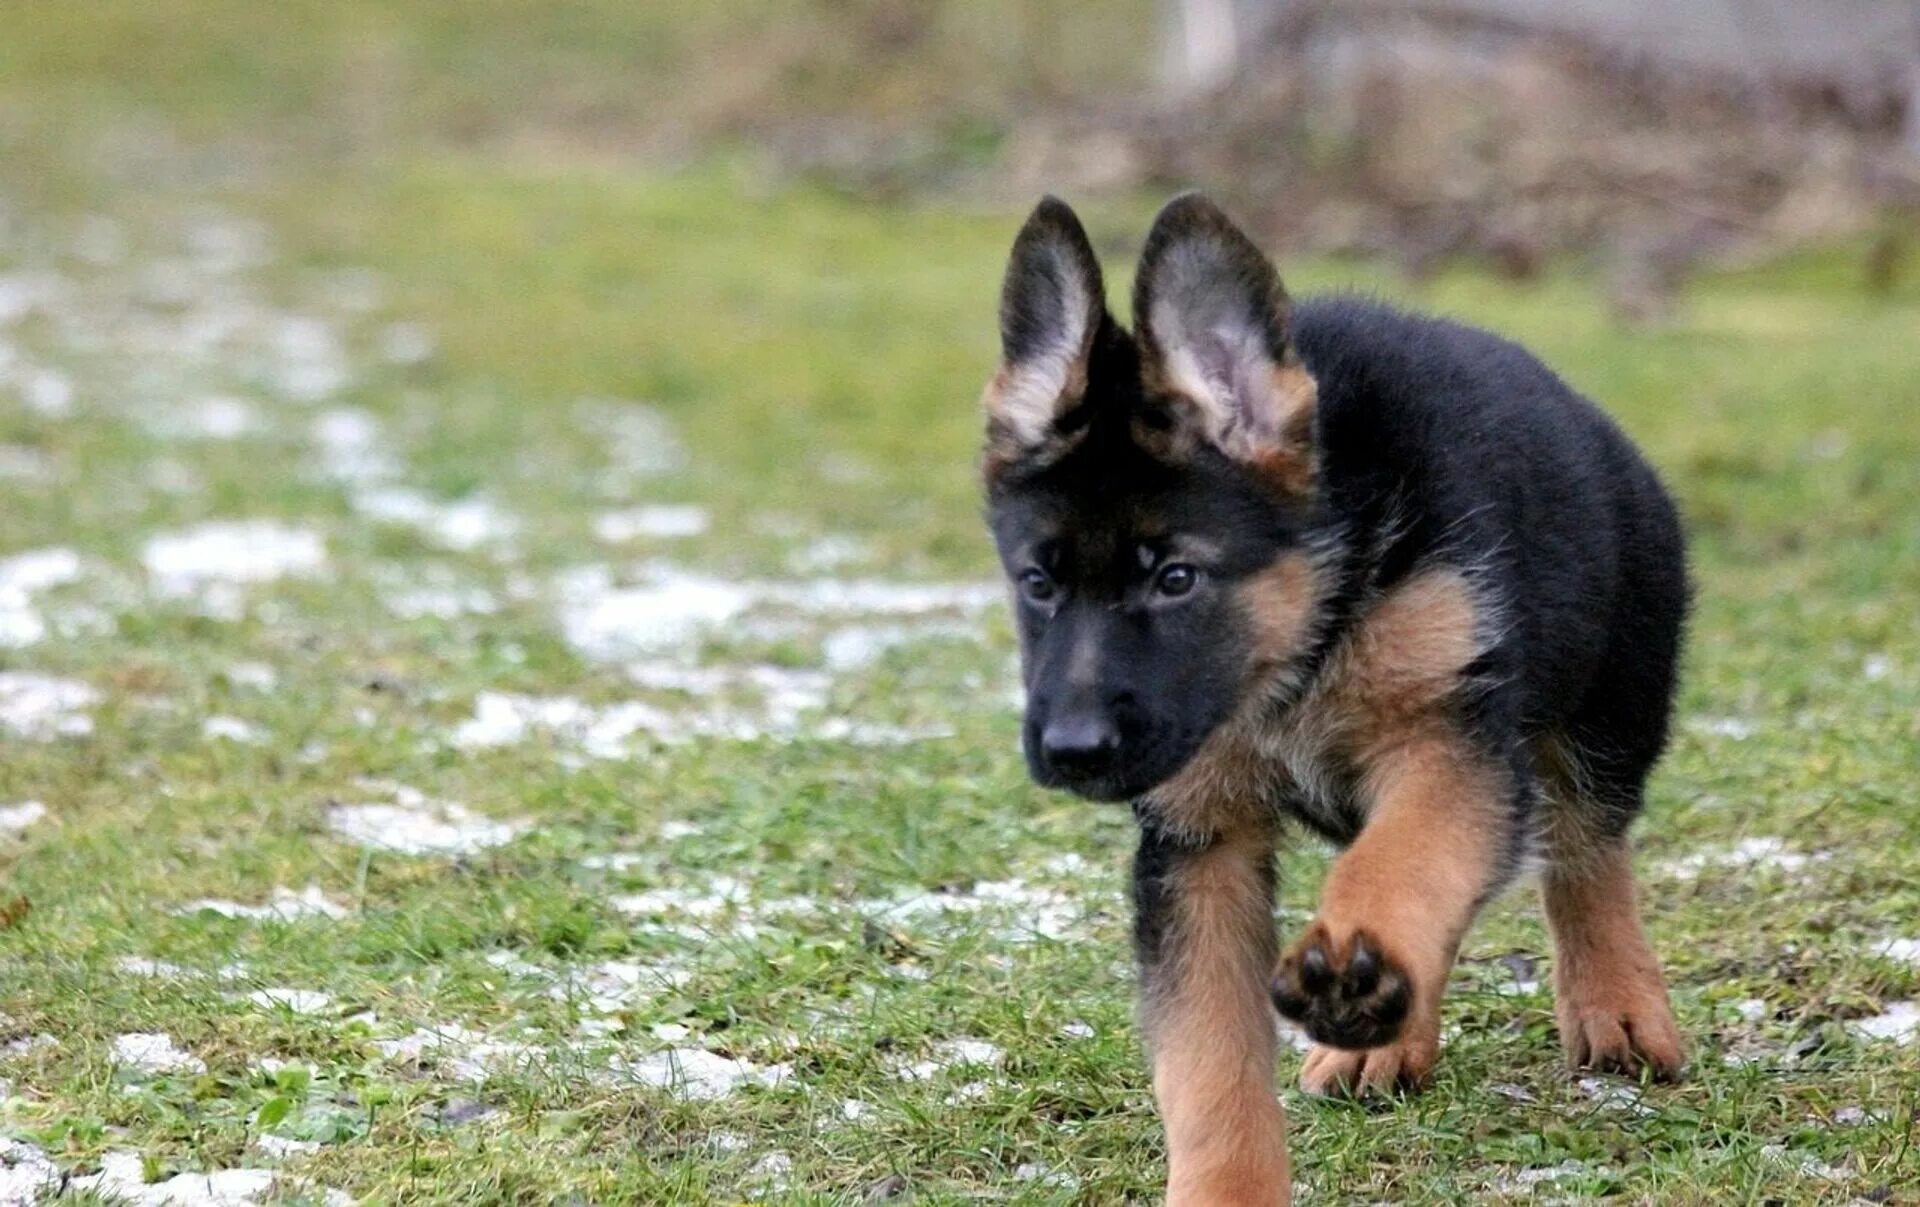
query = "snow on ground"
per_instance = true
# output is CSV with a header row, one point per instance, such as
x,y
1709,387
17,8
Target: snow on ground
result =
x,y
14,818
282,905
1899,1022
659,521
211,563
696,1073
154,1053
296,1001
1905,950
640,440
22,576
26,1173
42,707
122,1179
1758,851
961,1053
230,729
459,525
353,447
415,824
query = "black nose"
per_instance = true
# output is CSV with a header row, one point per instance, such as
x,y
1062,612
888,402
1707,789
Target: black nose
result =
x,y
1080,743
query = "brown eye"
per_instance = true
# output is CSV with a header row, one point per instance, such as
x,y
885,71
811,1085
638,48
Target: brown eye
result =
x,y
1176,580
1035,585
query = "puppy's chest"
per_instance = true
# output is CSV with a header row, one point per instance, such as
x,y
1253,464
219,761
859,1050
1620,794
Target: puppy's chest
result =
x,y
1389,683
1314,778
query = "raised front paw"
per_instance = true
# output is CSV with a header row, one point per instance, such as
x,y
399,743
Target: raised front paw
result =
x,y
1347,995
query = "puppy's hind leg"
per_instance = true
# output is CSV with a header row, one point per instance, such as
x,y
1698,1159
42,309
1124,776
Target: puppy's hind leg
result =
x,y
1609,996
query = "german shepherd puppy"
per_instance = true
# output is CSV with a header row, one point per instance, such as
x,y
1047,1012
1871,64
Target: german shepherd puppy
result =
x,y
1381,575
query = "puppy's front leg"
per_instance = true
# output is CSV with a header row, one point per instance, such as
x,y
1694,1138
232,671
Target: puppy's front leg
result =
x,y
1366,978
1204,933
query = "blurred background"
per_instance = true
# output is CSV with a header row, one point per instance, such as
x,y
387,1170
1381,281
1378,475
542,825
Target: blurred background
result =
x,y
1649,137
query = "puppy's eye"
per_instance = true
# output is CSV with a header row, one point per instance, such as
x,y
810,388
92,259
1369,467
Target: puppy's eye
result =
x,y
1176,580
1035,585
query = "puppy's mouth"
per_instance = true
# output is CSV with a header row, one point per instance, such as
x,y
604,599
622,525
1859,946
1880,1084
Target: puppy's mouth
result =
x,y
1119,784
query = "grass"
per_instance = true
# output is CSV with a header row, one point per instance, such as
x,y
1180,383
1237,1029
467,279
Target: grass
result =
x,y
816,360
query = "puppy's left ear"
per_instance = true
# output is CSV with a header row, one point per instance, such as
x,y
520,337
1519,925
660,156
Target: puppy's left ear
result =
x,y
1213,324
1053,304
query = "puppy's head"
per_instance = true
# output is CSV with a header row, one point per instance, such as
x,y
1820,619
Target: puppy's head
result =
x,y
1152,494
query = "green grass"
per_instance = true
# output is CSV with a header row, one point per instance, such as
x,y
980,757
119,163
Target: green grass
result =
x,y
818,360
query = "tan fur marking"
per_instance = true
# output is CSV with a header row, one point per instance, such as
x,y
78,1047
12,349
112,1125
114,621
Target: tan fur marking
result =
x,y
1279,603
1609,996
1406,657
1210,1029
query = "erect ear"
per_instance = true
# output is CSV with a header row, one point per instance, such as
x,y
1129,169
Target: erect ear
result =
x,y
1212,320
1052,305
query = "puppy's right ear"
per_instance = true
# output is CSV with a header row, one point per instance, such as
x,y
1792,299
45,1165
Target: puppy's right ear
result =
x,y
1052,305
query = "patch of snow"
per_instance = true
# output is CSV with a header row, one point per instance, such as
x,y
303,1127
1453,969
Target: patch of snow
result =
x,y
42,707
296,1001
639,439
460,525
721,894
154,1052
1615,1094
1906,950
674,831
27,1045
143,966
122,1179
1033,912
696,1073
308,364
21,577
230,729
853,1110
835,551
1528,1179
405,343
1806,1166
1045,1175
416,825
21,463
353,447
614,985
214,417
653,522
27,1174
14,818
855,646
1737,729
282,905
1759,851
210,562
774,1169
949,1054
1078,1030
440,602
1752,1010
48,392
255,675
614,861
282,1147
1899,1022
607,623
1876,667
